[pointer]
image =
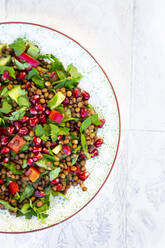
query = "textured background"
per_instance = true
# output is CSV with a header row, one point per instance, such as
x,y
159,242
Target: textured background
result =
x,y
128,39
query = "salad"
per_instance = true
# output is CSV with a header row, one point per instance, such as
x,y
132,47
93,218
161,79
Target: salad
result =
x,y
48,129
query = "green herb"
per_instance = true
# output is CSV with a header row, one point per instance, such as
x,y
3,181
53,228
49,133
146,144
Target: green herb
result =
x,y
10,70
8,180
76,119
33,51
52,158
61,74
28,137
54,173
24,147
72,70
46,129
23,101
50,151
90,106
6,107
53,132
28,191
84,146
7,205
19,46
69,83
60,109
55,63
13,154
44,138
12,168
74,136
35,76
25,164
76,149
39,131
44,163
74,159
21,66
56,100
17,196
63,131
88,121
39,82
18,114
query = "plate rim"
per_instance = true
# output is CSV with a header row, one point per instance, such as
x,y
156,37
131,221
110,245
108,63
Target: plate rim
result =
x,y
118,109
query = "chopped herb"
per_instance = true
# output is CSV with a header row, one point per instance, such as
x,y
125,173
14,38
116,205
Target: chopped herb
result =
x,y
88,121
6,107
7,205
28,191
54,173
19,46
12,168
10,70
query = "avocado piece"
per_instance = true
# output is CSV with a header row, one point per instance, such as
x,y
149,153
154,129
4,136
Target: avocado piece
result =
x,y
1,47
57,149
16,92
56,100
5,60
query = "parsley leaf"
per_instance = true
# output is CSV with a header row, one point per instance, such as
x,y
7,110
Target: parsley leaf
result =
x,y
84,146
7,205
10,70
88,121
12,168
35,76
68,83
39,131
16,92
55,63
24,164
28,191
53,132
18,114
44,163
6,107
33,50
72,70
19,46
23,101
32,73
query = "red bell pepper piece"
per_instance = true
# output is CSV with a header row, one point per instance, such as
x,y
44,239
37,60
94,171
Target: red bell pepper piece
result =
x,y
16,143
56,116
33,173
33,62
13,187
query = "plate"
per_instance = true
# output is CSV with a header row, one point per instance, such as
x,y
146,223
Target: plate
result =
x,y
103,97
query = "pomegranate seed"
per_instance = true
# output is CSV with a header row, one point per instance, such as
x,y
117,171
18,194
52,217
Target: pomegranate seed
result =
x,y
98,143
82,156
94,153
34,98
76,92
45,150
47,111
4,140
3,131
5,150
17,125
102,123
37,157
24,131
40,194
37,140
33,111
39,107
55,181
53,144
58,187
66,101
77,171
83,176
10,130
27,85
42,118
1,181
83,112
77,127
66,149
52,74
21,75
36,149
25,119
30,161
60,137
5,75
33,121
85,95
5,160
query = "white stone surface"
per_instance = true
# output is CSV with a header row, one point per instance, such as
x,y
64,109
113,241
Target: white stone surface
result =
x,y
128,39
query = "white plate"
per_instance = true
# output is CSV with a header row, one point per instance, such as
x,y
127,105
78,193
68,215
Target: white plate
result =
x,y
103,98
